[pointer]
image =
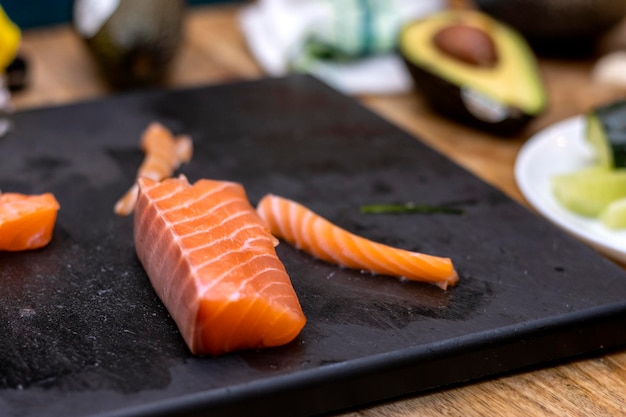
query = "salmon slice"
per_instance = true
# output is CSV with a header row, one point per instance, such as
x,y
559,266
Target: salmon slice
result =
x,y
211,260
310,232
26,221
164,153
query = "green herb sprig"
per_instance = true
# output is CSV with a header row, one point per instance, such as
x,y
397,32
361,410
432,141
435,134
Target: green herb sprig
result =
x,y
404,208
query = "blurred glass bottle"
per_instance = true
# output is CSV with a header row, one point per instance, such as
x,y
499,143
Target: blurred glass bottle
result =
x,y
132,41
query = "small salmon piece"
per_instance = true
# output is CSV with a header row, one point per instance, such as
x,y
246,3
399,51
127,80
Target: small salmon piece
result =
x,y
310,232
164,154
212,262
26,221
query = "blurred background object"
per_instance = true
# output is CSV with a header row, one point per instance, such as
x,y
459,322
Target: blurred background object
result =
x,y
558,27
10,37
350,44
610,69
132,41
36,13
17,73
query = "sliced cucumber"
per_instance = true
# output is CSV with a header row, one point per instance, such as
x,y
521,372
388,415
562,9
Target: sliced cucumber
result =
x,y
589,191
614,215
596,137
606,132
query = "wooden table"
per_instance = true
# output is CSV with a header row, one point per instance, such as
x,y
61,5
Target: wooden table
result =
x,y
214,51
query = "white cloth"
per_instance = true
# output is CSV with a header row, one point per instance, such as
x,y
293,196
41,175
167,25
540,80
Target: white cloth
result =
x,y
361,34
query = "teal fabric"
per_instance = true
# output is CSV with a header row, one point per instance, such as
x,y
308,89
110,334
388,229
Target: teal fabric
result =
x,y
34,13
356,29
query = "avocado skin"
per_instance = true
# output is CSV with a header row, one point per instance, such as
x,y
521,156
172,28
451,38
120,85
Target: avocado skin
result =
x,y
445,98
612,118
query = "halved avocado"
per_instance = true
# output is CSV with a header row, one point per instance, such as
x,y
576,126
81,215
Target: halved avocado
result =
x,y
500,92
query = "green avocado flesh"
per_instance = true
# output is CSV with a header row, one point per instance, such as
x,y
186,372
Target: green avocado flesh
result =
x,y
511,90
606,133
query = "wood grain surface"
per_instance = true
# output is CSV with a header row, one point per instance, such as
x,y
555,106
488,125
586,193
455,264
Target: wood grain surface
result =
x,y
214,51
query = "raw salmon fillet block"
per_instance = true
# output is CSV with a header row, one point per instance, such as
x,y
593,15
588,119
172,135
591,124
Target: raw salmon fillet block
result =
x,y
212,262
26,221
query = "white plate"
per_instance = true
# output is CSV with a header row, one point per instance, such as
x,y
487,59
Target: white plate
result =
x,y
558,149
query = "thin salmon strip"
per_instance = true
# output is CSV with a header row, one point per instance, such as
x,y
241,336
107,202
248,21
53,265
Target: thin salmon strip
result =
x,y
26,221
212,262
164,153
310,232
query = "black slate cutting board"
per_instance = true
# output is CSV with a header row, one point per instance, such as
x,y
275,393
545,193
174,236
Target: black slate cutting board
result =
x,y
82,333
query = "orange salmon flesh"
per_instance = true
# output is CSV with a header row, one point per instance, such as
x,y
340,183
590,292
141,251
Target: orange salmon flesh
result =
x,y
212,262
310,232
164,153
26,221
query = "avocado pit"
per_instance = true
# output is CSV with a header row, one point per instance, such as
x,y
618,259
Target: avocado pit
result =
x,y
468,44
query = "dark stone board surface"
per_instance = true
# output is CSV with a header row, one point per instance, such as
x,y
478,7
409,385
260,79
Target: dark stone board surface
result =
x,y
82,333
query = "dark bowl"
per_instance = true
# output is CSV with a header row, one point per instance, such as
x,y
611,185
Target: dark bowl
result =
x,y
553,25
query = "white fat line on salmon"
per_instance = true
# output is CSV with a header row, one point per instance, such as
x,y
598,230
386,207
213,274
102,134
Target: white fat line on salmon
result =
x,y
190,201
377,254
409,262
202,213
178,291
236,295
305,231
218,258
231,236
292,210
398,262
318,245
277,318
178,189
169,226
216,280
126,204
246,246
395,263
227,338
434,263
211,230
223,222
351,250
277,209
192,220
34,238
342,256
